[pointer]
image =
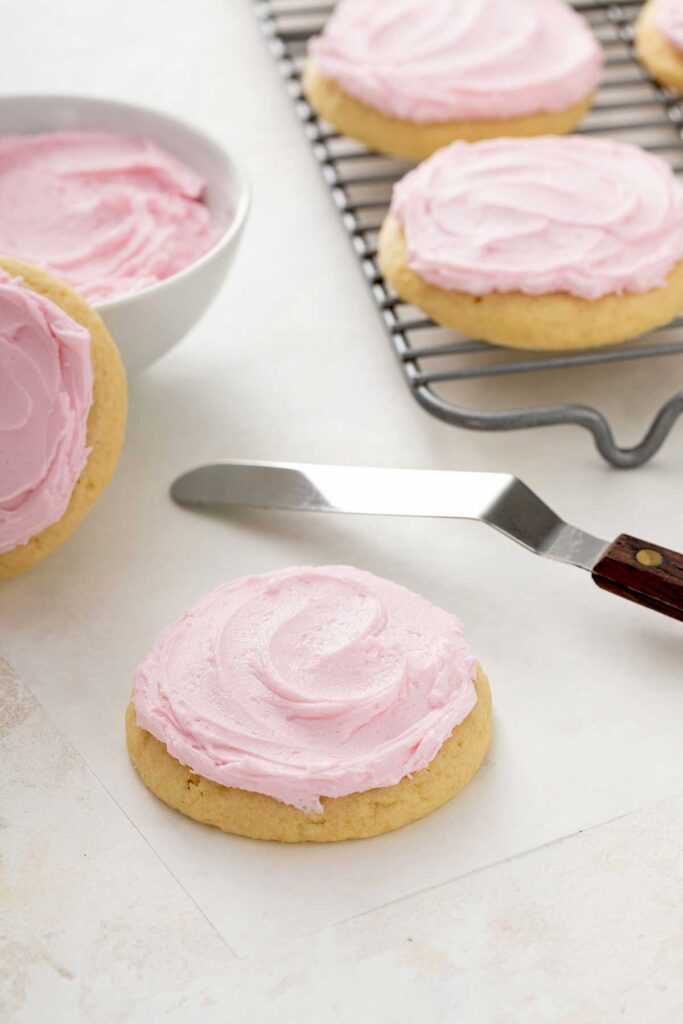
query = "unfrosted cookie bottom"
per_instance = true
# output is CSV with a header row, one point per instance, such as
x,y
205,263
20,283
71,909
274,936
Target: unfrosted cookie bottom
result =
x,y
663,61
414,140
356,816
106,421
555,321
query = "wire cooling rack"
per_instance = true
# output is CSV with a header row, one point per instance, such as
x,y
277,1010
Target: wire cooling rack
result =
x,y
437,363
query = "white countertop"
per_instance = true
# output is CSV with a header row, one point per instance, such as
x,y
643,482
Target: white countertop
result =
x,y
547,891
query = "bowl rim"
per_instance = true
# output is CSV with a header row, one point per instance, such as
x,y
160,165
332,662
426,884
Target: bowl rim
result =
x,y
232,229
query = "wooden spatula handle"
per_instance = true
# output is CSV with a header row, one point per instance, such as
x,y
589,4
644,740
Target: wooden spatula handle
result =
x,y
645,573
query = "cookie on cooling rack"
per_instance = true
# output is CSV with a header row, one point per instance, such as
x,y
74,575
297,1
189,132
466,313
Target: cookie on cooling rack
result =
x,y
659,41
62,413
406,77
548,243
309,705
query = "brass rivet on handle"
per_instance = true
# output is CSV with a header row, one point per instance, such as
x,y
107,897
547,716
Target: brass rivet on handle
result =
x,y
649,557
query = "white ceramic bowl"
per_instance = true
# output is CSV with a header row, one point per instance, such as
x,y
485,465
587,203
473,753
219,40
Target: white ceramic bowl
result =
x,y
147,323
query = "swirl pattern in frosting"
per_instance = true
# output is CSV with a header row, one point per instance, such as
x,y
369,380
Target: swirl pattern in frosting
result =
x,y
584,216
306,683
669,18
46,384
109,214
447,60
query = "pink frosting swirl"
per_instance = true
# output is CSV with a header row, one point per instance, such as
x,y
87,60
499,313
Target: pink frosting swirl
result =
x,y
669,18
107,213
542,215
307,682
447,60
45,396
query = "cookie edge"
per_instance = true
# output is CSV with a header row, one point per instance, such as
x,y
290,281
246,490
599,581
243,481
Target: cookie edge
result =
x,y
557,321
106,419
416,140
356,816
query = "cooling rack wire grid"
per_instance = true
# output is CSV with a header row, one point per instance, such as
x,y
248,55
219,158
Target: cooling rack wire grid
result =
x,y
438,365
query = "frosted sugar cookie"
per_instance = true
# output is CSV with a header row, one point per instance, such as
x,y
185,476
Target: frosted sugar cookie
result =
x,y
62,413
409,76
659,41
549,243
310,704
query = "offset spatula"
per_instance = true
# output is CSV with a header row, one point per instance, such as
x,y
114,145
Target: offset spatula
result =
x,y
637,570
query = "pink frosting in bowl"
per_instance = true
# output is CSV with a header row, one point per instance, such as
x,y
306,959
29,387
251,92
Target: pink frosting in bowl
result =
x,y
544,215
108,213
669,17
46,384
307,682
448,60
